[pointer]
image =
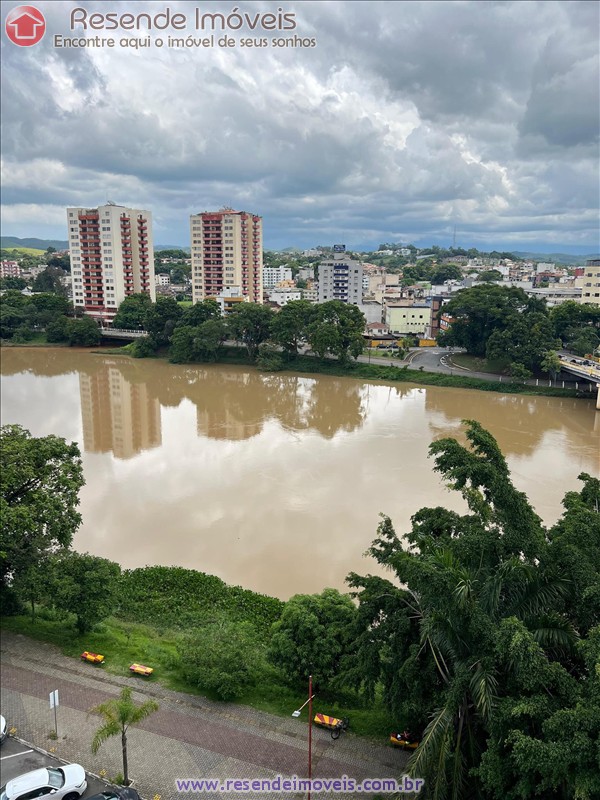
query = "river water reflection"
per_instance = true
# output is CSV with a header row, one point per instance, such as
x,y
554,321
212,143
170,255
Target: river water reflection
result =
x,y
271,481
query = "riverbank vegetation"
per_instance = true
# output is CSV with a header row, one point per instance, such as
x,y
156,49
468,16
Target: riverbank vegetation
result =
x,y
484,639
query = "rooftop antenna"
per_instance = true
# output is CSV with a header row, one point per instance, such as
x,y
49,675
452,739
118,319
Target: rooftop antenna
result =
x,y
111,202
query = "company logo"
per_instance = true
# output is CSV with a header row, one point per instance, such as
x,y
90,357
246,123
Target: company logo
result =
x,y
25,25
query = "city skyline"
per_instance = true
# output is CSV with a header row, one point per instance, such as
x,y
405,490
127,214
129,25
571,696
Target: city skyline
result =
x,y
403,122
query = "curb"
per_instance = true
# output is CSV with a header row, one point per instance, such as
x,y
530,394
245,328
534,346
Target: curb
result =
x,y
56,757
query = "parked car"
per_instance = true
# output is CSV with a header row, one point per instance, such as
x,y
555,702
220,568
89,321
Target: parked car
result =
x,y
3,730
118,793
62,783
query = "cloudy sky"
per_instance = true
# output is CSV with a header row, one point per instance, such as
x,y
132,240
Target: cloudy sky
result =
x,y
405,120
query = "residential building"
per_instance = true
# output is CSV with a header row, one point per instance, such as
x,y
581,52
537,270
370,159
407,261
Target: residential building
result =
x,y
10,269
311,293
306,273
405,320
162,279
340,279
274,275
437,301
372,310
283,296
590,283
112,257
377,329
227,251
228,299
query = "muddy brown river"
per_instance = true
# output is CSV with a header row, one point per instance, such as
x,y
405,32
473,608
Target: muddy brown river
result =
x,y
271,481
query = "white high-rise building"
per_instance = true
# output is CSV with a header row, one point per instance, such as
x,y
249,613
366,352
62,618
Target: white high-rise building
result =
x,y
227,252
112,256
274,275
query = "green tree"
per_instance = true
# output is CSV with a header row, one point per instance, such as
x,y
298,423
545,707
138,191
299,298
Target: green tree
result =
x,y
12,283
550,363
337,328
50,281
312,636
478,312
519,372
199,343
143,347
269,357
525,339
83,332
569,314
223,657
200,312
290,326
490,608
446,272
58,330
40,479
490,275
120,714
132,312
583,341
85,586
250,323
160,319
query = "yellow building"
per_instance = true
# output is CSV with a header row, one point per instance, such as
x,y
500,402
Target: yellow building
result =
x,y
589,283
413,320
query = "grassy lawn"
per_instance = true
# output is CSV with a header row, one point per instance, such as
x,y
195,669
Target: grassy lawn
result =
x,y
25,251
185,303
476,364
123,643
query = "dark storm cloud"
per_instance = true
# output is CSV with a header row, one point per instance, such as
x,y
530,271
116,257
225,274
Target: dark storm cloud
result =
x,y
406,118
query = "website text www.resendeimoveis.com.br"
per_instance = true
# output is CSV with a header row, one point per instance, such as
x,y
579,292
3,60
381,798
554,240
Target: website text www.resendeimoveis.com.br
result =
x,y
293,784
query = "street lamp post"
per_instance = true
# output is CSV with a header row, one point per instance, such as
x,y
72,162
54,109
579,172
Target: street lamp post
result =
x,y
297,714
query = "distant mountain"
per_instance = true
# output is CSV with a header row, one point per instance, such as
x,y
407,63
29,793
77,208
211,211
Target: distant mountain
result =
x,y
8,242
172,247
556,258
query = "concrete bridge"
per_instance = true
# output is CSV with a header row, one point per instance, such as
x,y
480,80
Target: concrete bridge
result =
x,y
584,369
122,333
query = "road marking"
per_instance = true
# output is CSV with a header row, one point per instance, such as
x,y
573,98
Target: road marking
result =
x,y
23,753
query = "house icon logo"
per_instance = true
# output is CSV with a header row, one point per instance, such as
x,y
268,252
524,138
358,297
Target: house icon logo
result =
x,y
25,25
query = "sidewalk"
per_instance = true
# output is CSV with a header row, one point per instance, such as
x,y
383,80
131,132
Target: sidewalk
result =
x,y
188,737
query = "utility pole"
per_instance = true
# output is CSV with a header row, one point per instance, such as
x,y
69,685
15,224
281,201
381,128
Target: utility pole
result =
x,y
310,696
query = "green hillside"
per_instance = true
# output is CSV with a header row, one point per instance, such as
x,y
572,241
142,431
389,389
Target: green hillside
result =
x,y
14,243
23,251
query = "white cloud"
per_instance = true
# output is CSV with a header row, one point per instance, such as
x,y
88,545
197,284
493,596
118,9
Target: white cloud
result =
x,y
406,116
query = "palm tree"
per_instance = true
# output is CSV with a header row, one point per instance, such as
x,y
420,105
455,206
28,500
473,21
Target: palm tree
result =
x,y
119,715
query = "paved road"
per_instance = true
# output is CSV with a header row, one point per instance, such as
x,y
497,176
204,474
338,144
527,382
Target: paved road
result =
x,y
18,758
189,737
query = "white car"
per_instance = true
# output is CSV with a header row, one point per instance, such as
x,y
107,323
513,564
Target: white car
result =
x,y
3,730
62,783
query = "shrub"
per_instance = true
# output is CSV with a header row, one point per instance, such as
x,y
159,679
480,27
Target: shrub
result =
x,y
223,657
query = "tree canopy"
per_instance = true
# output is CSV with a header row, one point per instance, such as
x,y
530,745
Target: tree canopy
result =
x,y
488,639
40,479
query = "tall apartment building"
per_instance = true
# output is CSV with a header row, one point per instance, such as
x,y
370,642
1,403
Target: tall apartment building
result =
x,y
590,283
274,275
112,256
340,279
227,251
